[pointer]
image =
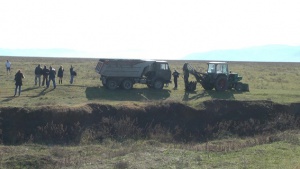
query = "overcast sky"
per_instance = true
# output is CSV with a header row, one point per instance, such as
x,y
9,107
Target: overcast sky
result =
x,y
168,29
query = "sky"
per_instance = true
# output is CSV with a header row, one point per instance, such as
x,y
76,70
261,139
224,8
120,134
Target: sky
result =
x,y
153,29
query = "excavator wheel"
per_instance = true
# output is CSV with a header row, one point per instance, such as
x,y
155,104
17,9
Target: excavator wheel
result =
x,y
221,84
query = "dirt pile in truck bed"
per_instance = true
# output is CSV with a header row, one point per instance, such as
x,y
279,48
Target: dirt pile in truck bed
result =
x,y
167,121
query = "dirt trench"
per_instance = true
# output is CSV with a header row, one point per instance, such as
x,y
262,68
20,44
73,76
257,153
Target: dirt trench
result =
x,y
167,121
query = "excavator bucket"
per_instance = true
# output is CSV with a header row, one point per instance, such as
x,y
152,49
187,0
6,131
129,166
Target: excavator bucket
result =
x,y
246,87
191,86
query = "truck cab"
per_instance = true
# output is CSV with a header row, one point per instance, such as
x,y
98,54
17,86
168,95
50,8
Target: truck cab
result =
x,y
159,73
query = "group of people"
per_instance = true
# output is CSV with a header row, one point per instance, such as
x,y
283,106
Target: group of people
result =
x,y
50,74
46,74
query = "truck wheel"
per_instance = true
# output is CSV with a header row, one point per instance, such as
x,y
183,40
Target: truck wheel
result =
x,y
158,84
127,84
111,84
103,84
238,87
221,84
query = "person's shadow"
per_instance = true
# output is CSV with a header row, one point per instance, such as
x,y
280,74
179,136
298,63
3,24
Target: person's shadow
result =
x,y
30,88
8,99
43,92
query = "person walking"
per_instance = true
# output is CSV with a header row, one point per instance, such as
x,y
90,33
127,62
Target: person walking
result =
x,y
18,78
52,74
45,76
60,74
38,73
175,77
7,65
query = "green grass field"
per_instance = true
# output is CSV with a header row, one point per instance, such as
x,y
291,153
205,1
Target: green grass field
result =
x,y
277,82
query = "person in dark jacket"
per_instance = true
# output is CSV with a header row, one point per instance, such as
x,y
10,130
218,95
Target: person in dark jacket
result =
x,y
52,74
186,75
60,74
38,73
18,78
45,76
72,74
175,77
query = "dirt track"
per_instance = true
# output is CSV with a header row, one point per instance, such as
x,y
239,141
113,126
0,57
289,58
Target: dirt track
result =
x,y
65,125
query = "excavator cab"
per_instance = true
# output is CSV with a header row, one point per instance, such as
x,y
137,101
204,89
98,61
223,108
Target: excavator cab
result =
x,y
217,67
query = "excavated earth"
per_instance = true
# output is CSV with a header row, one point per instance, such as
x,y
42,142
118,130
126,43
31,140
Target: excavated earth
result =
x,y
164,120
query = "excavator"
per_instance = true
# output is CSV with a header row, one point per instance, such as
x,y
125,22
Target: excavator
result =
x,y
216,77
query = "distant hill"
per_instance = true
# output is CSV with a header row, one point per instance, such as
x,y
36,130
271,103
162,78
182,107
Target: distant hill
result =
x,y
57,52
268,53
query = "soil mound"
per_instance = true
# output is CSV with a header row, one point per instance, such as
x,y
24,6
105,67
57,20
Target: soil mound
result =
x,y
166,121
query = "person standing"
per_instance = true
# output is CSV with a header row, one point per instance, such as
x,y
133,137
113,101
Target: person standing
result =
x,y
45,76
7,65
60,74
72,74
38,73
175,76
18,78
186,75
52,74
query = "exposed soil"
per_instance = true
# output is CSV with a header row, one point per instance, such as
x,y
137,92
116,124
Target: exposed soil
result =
x,y
167,121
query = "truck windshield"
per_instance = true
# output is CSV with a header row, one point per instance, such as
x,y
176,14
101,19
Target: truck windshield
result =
x,y
164,66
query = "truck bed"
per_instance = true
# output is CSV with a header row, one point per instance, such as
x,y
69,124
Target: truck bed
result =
x,y
122,67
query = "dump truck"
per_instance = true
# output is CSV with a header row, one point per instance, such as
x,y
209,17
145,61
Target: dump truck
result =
x,y
217,76
125,73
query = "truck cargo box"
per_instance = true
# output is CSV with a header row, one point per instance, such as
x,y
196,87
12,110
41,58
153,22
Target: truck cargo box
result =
x,y
122,67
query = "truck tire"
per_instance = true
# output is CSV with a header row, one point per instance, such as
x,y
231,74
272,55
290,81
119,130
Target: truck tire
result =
x,y
112,84
158,84
238,87
127,84
221,84
103,84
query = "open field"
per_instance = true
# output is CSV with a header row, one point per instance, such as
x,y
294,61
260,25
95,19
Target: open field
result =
x,y
84,125
277,82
